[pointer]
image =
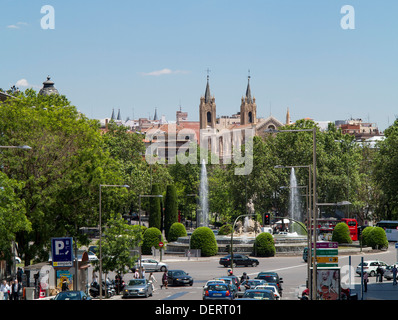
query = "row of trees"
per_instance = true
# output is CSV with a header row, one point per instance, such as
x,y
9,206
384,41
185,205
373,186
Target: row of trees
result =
x,y
53,189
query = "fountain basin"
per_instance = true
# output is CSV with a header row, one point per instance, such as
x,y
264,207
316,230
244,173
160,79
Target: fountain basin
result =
x,y
286,244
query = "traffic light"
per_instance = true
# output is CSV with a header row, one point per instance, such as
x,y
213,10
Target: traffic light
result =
x,y
267,219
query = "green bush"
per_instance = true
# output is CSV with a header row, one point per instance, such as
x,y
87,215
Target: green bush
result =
x,y
341,233
204,239
365,235
151,239
225,229
176,230
375,237
264,245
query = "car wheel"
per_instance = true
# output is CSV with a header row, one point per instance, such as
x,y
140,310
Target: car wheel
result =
x,y
234,265
163,269
372,273
254,264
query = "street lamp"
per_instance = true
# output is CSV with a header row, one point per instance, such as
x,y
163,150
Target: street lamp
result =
x,y
139,219
100,230
314,199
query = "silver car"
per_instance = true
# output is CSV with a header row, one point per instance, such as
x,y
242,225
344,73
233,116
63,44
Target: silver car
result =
x,y
137,288
152,265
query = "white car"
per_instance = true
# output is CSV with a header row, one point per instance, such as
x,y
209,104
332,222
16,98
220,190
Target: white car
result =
x,y
371,266
153,265
92,256
274,289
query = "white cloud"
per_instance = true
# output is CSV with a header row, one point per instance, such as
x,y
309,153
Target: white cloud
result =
x,y
18,25
163,72
25,83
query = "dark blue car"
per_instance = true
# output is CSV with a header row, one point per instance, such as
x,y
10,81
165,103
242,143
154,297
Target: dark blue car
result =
x,y
218,291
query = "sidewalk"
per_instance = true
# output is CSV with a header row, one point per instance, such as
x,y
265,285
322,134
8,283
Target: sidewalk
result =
x,y
378,290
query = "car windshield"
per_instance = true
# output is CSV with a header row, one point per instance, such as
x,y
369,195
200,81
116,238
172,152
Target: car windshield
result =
x,y
217,287
68,295
179,273
266,295
137,282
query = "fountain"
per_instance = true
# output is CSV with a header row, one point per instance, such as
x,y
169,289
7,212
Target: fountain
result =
x,y
294,198
246,231
203,213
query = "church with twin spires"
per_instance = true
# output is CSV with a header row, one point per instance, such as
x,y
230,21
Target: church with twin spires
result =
x,y
246,118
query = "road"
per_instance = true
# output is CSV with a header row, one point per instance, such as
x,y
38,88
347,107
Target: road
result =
x,y
292,269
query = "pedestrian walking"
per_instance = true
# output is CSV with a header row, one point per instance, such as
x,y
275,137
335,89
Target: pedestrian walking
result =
x,y
151,280
365,281
5,288
394,275
164,280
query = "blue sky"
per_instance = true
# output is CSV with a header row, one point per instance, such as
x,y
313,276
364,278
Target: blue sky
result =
x,y
140,55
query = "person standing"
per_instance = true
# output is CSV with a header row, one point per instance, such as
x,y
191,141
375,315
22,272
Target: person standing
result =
x,y
15,290
365,281
394,275
5,288
164,280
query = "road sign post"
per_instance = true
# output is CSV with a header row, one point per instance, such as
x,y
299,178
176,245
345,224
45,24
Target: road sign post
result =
x,y
62,252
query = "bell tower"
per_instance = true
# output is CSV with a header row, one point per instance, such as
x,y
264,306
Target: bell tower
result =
x,y
207,109
248,107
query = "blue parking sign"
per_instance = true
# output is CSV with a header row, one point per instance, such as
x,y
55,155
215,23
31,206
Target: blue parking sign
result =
x,y
62,252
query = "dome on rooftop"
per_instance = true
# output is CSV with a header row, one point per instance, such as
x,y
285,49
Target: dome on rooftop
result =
x,y
48,88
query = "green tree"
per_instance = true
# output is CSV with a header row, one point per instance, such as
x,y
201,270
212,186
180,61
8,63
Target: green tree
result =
x,y
155,217
170,210
60,175
12,214
119,239
264,245
385,175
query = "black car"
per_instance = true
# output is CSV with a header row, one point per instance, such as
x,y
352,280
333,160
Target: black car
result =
x,y
238,260
179,277
271,277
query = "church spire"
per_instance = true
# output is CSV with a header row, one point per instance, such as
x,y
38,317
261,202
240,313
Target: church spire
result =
x,y
207,92
248,91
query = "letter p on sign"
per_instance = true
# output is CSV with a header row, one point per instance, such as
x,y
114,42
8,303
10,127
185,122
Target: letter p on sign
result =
x,y
59,245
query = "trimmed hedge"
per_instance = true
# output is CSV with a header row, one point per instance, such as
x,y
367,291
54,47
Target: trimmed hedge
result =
x,y
151,239
176,230
374,237
341,233
204,239
264,245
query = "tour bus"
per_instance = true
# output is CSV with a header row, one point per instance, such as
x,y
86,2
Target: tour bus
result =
x,y
391,228
353,227
327,225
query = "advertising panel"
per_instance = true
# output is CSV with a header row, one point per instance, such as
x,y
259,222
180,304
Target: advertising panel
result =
x,y
328,283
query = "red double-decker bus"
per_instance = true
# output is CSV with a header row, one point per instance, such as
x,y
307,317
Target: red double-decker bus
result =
x,y
327,225
353,227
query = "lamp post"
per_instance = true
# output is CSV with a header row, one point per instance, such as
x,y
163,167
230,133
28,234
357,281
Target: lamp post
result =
x,y
314,200
309,225
139,219
100,230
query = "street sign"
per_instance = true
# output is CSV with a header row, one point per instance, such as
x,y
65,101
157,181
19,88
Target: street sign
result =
x,y
327,259
327,245
327,252
161,244
62,252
